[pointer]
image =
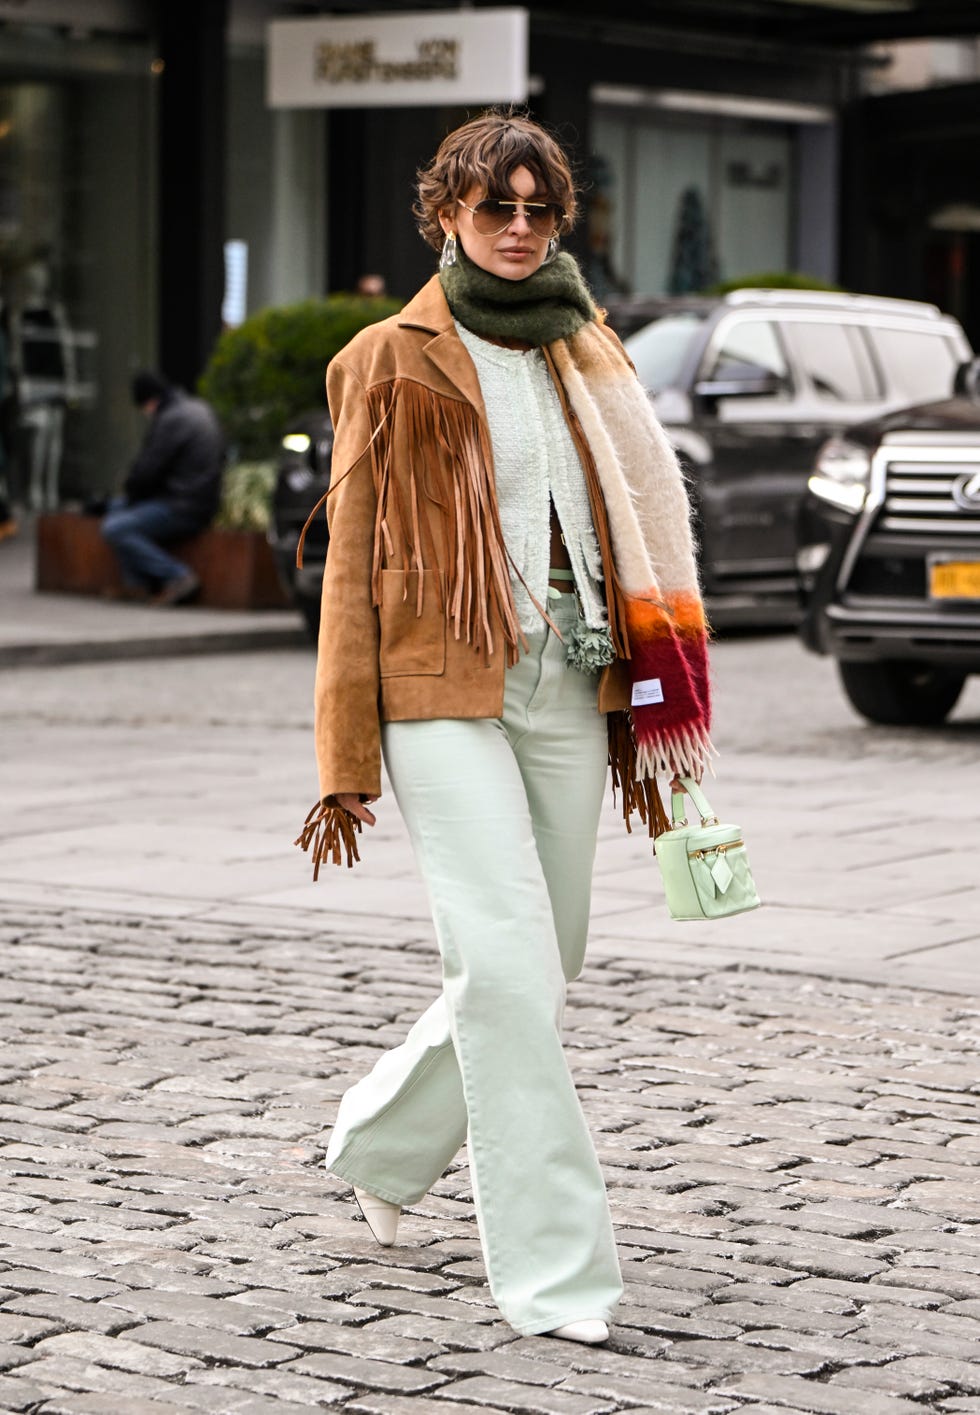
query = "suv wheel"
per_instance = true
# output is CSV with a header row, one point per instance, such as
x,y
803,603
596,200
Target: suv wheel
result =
x,y
900,693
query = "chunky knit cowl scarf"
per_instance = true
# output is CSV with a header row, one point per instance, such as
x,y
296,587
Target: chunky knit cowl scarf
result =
x,y
643,491
551,304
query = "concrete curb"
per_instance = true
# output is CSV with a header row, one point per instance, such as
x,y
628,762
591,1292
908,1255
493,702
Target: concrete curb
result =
x,y
39,629
159,646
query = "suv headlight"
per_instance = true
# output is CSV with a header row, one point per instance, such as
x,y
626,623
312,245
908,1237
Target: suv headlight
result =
x,y
842,474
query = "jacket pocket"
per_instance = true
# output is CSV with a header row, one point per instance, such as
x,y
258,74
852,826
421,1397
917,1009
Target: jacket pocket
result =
x,y
412,643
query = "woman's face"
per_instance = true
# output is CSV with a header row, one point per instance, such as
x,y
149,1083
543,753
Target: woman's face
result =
x,y
513,253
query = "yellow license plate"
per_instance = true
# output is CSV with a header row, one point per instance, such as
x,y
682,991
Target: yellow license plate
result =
x,y
955,579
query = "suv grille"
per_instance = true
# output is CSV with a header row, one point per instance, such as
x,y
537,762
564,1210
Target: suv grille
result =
x,y
919,496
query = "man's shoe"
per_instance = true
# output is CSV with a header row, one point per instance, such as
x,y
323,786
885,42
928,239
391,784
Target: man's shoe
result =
x,y
382,1217
592,1332
180,591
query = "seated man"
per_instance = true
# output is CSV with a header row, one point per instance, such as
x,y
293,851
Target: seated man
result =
x,y
172,491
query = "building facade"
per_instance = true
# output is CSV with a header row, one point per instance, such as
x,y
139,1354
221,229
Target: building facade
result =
x,y
137,141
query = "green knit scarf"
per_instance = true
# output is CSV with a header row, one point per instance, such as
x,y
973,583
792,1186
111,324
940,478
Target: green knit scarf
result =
x,y
553,303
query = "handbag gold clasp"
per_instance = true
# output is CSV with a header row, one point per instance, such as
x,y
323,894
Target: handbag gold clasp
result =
x,y
716,850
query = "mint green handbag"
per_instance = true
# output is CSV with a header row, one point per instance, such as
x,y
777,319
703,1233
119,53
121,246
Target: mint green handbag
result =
x,y
705,868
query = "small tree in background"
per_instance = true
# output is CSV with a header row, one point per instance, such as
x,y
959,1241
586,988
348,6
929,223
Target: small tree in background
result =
x,y
271,368
693,265
773,280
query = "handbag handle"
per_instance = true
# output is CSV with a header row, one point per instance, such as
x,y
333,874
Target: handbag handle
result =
x,y
678,809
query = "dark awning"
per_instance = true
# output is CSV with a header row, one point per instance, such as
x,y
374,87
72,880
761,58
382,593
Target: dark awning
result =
x,y
805,22
814,22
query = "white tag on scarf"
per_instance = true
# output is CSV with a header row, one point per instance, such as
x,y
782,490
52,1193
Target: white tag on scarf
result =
x,y
649,691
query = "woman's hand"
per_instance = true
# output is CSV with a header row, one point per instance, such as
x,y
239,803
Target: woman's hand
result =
x,y
351,802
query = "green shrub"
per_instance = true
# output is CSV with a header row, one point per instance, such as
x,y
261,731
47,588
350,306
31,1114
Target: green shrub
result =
x,y
272,367
246,496
772,280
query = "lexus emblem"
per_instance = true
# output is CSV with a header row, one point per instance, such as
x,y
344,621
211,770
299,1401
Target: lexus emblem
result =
x,y
966,491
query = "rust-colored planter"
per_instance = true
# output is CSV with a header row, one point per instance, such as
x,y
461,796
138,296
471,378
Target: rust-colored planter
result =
x,y
236,568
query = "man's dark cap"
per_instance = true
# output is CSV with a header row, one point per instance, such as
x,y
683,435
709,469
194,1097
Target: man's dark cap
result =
x,y
146,385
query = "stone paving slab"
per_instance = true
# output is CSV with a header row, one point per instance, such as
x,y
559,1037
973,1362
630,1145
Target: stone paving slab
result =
x,y
174,789
791,1164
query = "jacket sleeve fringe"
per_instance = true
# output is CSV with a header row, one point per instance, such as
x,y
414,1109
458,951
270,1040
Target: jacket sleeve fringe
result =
x,y
639,795
329,830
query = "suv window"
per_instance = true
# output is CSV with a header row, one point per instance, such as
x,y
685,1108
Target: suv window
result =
x,y
918,367
835,361
659,350
749,341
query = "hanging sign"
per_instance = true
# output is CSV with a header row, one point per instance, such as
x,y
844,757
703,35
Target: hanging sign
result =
x,y
396,60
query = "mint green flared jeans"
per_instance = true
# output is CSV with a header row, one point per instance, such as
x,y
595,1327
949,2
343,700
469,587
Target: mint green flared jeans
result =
x,y
503,815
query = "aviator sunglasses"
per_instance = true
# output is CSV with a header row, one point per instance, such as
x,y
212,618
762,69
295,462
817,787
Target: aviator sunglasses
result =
x,y
491,216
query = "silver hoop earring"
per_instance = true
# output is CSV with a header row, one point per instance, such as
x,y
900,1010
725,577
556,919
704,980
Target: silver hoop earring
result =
x,y
552,251
448,256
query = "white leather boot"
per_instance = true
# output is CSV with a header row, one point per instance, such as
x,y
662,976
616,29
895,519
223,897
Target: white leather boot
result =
x,y
591,1331
382,1217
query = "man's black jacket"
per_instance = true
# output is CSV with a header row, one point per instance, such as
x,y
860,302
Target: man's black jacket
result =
x,y
181,459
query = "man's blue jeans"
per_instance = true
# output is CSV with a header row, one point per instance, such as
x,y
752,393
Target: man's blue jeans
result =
x,y
135,532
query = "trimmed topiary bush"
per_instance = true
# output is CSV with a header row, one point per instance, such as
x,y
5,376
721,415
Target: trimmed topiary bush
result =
x,y
773,280
271,368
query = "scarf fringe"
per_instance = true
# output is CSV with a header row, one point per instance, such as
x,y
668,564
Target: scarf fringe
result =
x,y
640,794
479,594
686,752
329,830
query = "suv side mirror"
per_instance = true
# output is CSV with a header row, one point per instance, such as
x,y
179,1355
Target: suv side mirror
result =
x,y
966,380
739,380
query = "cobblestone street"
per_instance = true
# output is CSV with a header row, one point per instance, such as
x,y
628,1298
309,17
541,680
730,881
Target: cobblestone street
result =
x,y
441,407
792,1166
786,1104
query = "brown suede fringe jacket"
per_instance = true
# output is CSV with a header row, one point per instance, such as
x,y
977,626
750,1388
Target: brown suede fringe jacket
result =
x,y
417,618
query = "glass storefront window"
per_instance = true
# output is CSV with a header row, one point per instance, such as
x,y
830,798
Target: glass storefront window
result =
x,y
740,172
77,267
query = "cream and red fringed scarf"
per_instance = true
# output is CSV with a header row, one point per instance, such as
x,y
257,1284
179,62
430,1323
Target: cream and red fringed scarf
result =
x,y
653,551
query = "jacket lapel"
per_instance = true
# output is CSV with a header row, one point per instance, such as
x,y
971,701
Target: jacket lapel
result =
x,y
430,312
448,353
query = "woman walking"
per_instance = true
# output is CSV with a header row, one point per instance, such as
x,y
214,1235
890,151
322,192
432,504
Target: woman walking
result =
x,y
510,603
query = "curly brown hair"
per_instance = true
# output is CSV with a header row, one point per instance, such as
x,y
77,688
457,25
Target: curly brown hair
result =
x,y
485,152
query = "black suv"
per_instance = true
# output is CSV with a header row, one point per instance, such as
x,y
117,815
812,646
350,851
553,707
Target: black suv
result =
x,y
749,386
889,557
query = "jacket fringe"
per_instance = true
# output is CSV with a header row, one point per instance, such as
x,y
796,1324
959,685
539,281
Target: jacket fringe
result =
x,y
460,484
639,794
329,830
